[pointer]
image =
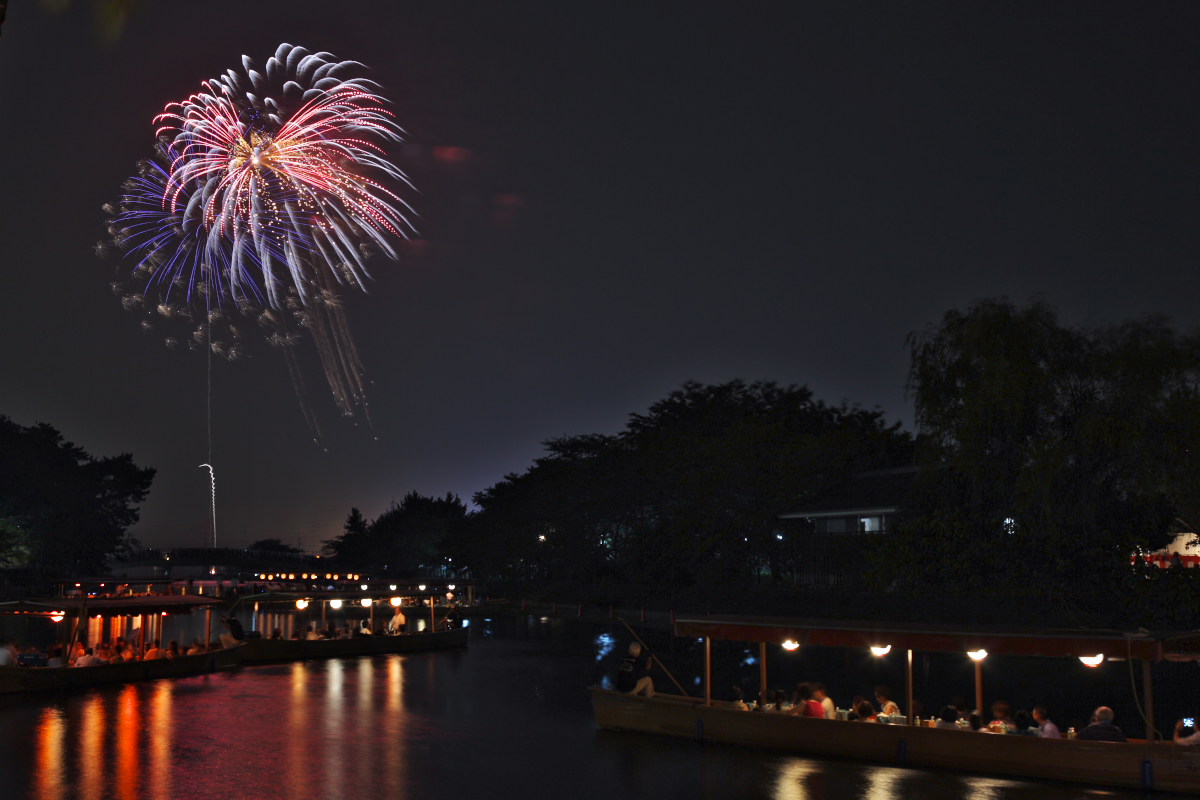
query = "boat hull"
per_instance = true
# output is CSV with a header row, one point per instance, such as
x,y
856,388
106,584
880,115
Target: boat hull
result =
x,y
258,651
1159,766
17,680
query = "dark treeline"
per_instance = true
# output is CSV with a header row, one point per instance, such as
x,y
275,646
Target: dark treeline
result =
x,y
63,512
1048,456
686,496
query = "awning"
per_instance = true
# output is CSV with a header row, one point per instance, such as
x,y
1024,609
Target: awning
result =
x,y
945,638
112,606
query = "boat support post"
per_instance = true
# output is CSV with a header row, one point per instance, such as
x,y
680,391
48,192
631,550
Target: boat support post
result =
x,y
1148,700
979,686
708,670
762,674
908,679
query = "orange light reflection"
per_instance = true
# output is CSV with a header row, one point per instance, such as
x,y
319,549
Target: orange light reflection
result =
x,y
129,728
49,755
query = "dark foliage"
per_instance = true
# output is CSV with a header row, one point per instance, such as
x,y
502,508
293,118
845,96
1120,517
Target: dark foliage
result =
x,y
1050,455
63,512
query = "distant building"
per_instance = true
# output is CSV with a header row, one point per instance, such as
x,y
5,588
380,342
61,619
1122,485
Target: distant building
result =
x,y
834,532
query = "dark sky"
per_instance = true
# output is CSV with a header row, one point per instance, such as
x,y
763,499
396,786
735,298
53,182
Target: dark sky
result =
x,y
700,191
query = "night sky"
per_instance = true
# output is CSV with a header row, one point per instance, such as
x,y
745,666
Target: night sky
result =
x,y
613,199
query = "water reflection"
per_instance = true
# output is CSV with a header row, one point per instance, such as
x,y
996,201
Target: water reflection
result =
x,y
508,717
161,724
49,736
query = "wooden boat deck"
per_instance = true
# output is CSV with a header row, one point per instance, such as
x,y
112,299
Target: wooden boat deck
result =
x,y
16,680
1160,765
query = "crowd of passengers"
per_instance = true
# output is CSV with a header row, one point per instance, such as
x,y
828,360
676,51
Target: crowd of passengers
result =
x,y
811,699
80,655
120,650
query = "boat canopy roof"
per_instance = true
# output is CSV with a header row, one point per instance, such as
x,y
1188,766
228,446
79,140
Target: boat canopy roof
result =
x,y
1139,644
113,606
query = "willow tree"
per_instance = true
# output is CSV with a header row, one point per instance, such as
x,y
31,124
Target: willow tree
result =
x,y
1051,455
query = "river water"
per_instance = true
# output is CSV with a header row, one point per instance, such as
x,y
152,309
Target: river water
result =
x,y
509,717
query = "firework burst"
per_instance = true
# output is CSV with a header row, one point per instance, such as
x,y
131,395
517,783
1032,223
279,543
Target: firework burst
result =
x,y
267,191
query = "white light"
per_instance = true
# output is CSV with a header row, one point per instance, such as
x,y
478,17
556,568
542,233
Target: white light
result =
x,y
395,601
541,537
335,603
881,650
790,645
363,587
392,587
450,587
57,616
421,587
365,602
977,655
301,604
1092,661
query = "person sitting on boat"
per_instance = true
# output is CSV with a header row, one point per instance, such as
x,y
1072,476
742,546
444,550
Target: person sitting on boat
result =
x,y
312,632
195,648
173,650
863,712
806,705
88,659
1024,724
398,623
1102,728
236,632
1183,737
364,629
821,695
1002,720
1045,728
54,656
737,699
887,706
948,719
633,672
155,652
277,634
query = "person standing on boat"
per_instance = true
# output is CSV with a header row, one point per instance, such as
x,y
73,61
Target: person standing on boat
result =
x,y
398,623
1045,728
633,672
1102,728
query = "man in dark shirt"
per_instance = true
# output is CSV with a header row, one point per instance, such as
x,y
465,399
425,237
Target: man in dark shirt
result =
x,y
1102,728
632,672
